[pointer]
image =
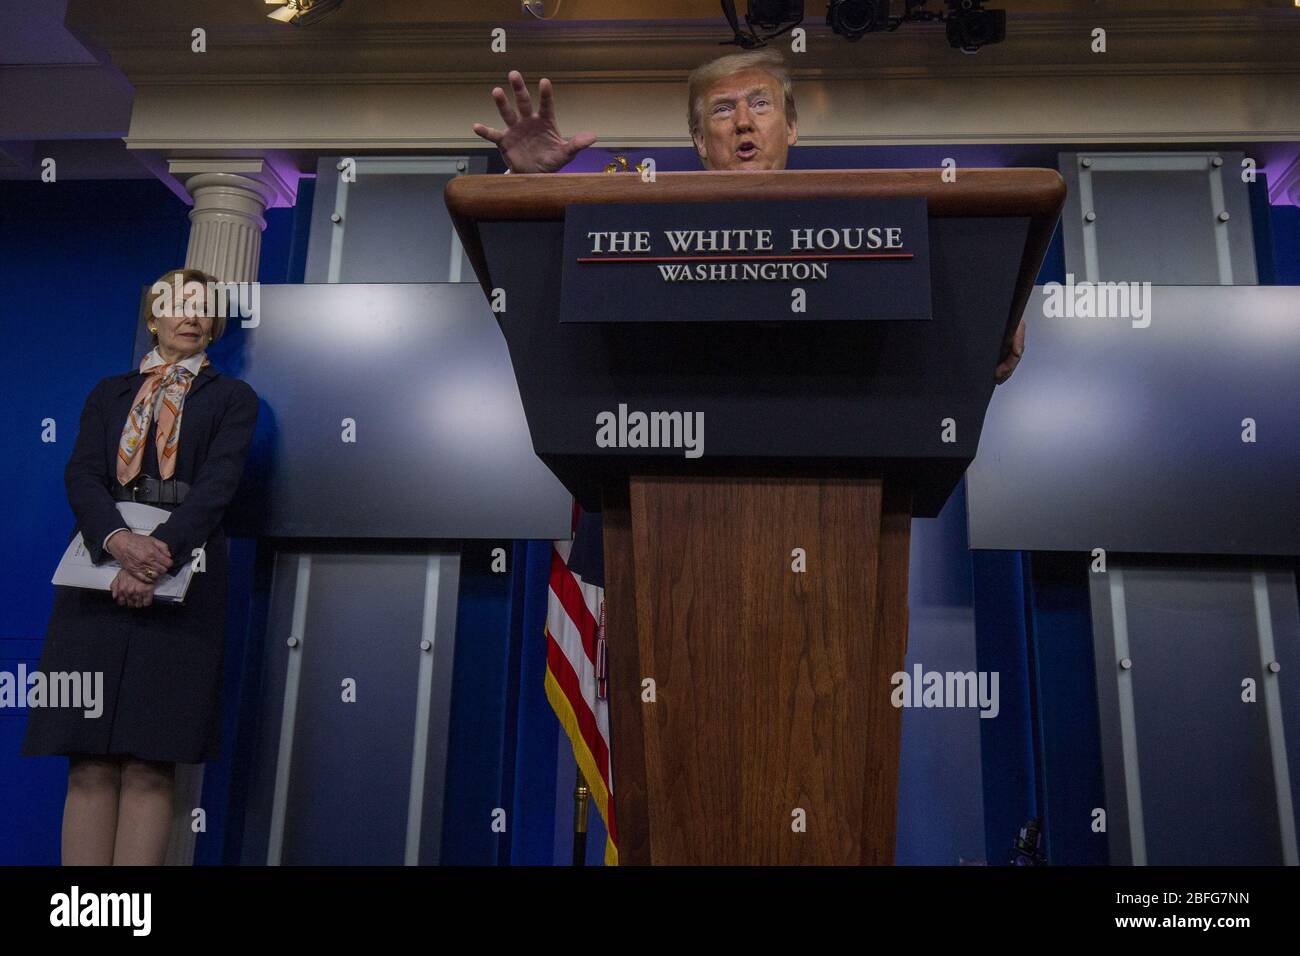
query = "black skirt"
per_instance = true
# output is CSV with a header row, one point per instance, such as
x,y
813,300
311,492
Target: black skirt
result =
x,y
161,667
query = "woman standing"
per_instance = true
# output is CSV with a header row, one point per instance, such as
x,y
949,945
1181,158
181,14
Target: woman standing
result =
x,y
161,662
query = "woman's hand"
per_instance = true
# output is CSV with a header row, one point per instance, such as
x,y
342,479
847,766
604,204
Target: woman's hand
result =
x,y
129,592
143,557
531,142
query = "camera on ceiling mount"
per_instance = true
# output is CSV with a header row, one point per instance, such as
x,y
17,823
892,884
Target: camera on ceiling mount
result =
x,y
853,18
773,16
970,26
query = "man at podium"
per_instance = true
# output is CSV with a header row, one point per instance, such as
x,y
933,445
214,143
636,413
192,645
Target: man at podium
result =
x,y
694,558
742,117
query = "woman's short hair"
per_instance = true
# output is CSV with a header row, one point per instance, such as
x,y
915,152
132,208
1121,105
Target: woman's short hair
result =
x,y
705,75
168,278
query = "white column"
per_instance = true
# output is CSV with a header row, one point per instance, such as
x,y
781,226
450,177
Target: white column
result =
x,y
230,197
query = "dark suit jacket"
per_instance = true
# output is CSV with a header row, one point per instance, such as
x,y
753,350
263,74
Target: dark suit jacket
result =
x,y
216,429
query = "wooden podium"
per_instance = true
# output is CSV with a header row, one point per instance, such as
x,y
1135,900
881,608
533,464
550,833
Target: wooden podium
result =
x,y
771,737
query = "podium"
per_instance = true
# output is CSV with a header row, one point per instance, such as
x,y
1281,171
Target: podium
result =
x,y
757,596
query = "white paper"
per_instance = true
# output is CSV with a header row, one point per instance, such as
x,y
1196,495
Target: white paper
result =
x,y
76,569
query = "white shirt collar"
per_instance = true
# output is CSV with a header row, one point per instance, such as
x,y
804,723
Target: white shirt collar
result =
x,y
193,363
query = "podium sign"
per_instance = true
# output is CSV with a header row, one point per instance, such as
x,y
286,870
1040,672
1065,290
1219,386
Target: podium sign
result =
x,y
761,261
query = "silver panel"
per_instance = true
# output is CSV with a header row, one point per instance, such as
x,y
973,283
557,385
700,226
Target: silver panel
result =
x,y
436,656
1130,439
392,220
1271,697
442,446
1195,771
1166,217
289,712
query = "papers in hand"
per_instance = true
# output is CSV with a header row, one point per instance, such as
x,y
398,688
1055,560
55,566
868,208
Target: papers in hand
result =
x,y
78,571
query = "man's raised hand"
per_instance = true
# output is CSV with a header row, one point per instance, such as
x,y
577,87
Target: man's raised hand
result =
x,y
531,143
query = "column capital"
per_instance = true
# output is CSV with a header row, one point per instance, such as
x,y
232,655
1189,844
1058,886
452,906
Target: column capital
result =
x,y
230,197
276,183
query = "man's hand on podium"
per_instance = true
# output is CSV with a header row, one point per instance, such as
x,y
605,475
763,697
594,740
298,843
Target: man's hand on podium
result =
x,y
1011,355
531,142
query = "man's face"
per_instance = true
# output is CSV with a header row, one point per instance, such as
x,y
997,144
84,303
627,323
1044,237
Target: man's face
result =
x,y
743,124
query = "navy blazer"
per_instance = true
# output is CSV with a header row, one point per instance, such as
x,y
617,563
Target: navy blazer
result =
x,y
217,425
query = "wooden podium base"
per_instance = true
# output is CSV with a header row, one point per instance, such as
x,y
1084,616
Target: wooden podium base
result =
x,y
770,737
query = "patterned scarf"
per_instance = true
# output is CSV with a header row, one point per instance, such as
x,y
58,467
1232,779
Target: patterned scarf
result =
x,y
161,399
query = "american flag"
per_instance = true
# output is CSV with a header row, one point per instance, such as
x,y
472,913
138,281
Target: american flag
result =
x,y
575,665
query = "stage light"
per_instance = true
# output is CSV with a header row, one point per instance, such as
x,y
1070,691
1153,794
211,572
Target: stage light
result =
x,y
853,18
970,26
302,13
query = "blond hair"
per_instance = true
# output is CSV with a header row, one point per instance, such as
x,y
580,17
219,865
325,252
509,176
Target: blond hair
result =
x,y
151,296
705,75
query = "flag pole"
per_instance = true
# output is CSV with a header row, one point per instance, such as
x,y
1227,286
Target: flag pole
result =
x,y
581,797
